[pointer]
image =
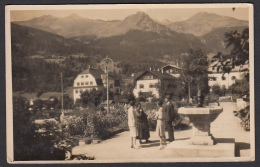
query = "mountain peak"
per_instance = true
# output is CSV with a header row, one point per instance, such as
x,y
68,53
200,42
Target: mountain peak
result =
x,y
206,14
139,15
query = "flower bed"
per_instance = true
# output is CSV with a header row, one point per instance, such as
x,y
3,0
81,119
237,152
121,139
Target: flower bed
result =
x,y
94,123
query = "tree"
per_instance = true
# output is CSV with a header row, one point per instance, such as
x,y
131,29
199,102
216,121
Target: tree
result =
x,y
92,97
241,87
216,89
28,143
67,101
239,55
195,71
141,97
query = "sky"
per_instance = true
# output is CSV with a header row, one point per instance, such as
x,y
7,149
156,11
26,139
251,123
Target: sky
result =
x,y
118,13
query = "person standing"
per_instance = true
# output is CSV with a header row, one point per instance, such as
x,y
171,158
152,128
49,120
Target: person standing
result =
x,y
160,126
142,125
132,124
169,117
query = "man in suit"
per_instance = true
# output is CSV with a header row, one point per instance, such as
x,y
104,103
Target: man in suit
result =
x,y
169,117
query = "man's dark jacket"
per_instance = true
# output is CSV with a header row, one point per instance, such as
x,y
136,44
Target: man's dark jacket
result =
x,y
169,112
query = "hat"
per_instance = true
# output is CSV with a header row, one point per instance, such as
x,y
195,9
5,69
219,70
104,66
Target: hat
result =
x,y
132,103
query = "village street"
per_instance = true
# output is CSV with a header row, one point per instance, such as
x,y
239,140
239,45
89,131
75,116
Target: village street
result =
x,y
118,147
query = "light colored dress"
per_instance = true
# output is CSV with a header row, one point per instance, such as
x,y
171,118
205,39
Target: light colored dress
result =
x,y
132,122
160,127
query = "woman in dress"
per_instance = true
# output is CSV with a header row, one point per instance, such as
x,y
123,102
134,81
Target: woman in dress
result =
x,y
142,124
132,125
160,127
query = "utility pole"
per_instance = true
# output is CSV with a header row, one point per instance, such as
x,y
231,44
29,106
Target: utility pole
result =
x,y
189,94
61,80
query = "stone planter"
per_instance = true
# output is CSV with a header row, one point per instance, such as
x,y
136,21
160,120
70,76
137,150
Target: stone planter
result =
x,y
201,117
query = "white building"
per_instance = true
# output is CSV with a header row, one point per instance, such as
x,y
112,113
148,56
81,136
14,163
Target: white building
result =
x,y
93,78
215,77
148,82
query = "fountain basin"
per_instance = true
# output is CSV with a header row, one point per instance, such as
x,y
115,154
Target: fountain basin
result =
x,y
201,117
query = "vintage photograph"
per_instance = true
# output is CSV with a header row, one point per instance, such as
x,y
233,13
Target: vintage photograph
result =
x,y
130,83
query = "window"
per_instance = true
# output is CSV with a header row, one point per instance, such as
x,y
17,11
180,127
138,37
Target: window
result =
x,y
82,83
111,86
82,76
77,83
223,78
233,77
86,76
91,82
213,79
76,91
148,77
152,85
141,86
86,83
81,90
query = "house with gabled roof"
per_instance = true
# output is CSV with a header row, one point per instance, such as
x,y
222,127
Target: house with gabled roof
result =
x,y
149,82
93,79
174,70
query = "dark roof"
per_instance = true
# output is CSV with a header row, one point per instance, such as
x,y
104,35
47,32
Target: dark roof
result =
x,y
95,72
49,94
99,82
170,65
160,75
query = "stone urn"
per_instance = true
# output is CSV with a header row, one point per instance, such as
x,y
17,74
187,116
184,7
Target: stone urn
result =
x,y
201,117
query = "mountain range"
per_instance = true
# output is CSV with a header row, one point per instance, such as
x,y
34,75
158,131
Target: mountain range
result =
x,y
73,25
136,36
203,23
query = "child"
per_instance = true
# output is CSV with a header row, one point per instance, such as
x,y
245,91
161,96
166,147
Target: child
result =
x,y
132,124
160,127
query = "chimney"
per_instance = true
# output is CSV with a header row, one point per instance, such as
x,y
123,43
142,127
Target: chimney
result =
x,y
89,66
150,68
177,64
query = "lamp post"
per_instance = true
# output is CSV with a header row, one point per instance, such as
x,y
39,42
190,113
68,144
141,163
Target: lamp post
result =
x,y
107,65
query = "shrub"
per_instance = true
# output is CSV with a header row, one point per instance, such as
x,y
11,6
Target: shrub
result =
x,y
212,97
75,125
244,115
94,123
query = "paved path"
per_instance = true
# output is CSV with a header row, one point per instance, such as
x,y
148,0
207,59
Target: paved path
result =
x,y
118,147
228,126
